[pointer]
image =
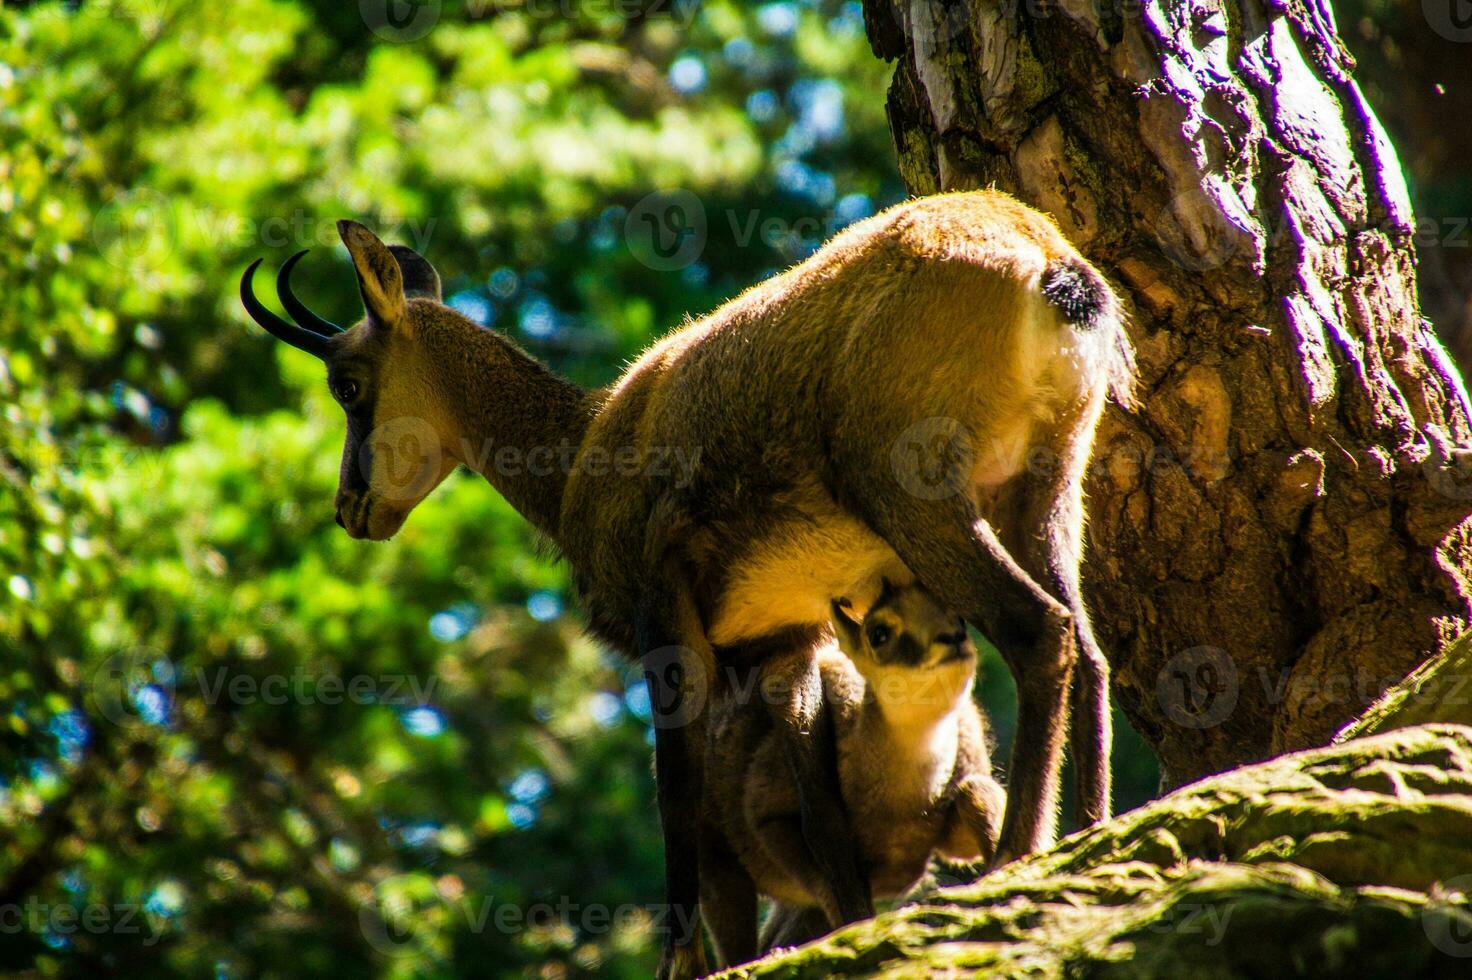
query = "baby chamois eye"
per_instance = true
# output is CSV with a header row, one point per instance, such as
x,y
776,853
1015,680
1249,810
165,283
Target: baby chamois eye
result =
x,y
879,635
345,391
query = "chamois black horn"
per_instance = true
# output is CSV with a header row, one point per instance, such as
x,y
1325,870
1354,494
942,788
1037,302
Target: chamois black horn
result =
x,y
296,307
291,333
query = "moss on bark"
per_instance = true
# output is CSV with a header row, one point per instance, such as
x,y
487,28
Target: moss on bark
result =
x,y
1438,690
1348,860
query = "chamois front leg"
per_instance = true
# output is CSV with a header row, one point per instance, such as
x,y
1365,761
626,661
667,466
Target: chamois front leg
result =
x,y
956,554
678,680
792,687
728,900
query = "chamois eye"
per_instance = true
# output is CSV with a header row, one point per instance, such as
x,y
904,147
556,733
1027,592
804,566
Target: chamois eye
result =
x,y
345,391
879,635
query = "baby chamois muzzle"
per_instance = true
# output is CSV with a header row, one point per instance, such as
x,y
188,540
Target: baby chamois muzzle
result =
x,y
954,646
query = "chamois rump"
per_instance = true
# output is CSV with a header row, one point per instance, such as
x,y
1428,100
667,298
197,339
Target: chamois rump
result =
x,y
879,409
914,767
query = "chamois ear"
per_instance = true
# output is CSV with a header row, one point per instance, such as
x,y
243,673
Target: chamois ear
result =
x,y
844,623
379,278
420,279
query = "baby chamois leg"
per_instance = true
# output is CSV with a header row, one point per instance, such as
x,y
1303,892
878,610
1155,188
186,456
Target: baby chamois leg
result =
x,y
957,555
980,803
792,687
781,837
674,673
792,925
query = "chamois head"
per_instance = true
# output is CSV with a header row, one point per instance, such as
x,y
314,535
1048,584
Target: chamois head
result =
x,y
401,432
907,635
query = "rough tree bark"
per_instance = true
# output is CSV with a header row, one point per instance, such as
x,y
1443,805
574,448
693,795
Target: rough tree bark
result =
x,y
1280,532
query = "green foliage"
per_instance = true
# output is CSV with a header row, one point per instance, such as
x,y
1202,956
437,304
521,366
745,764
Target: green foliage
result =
x,y
235,742
185,757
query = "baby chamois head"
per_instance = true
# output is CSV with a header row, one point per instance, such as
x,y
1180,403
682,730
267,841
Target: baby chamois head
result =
x,y
913,652
383,370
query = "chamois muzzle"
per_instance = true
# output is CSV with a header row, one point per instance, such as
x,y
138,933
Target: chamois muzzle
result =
x,y
313,333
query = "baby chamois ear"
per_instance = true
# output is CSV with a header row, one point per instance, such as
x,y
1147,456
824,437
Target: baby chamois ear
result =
x,y
379,278
844,623
420,279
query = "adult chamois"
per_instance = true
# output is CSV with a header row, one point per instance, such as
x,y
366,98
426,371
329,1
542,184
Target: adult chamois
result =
x,y
916,399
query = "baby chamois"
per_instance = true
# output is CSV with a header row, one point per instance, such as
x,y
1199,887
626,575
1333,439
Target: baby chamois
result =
x,y
914,770
917,397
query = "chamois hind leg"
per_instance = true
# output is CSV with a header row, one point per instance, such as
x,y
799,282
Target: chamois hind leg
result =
x,y
957,555
1049,532
1091,734
728,901
792,687
678,680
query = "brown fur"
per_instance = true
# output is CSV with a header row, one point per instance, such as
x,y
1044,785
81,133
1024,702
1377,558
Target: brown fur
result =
x,y
914,769
795,395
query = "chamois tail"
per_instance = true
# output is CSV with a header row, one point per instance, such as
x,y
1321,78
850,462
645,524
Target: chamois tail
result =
x,y
1085,300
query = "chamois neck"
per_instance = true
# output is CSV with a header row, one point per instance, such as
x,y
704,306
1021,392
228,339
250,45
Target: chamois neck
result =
x,y
916,732
520,424
911,707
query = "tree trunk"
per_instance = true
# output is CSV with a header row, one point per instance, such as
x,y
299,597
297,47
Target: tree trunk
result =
x,y
1279,533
